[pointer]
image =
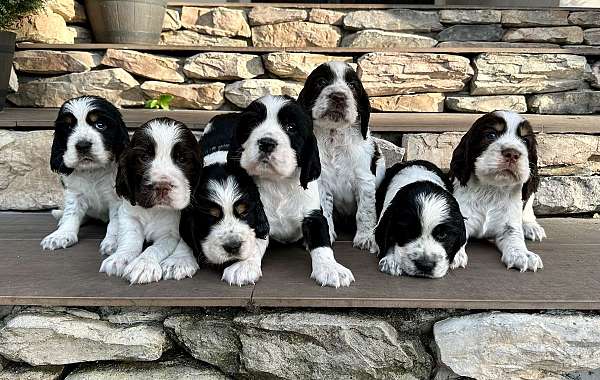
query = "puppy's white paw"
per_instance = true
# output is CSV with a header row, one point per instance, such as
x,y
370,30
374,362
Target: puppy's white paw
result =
x,y
533,231
58,240
332,273
143,270
178,268
114,265
108,246
522,260
390,265
242,273
366,242
460,259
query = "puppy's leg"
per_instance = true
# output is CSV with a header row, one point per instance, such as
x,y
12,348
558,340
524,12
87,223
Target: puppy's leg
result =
x,y
325,270
130,244
247,271
515,254
146,267
68,225
531,228
326,197
109,243
366,218
460,259
180,264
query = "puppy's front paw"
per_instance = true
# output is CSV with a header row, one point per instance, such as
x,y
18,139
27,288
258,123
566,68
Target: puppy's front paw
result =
x,y
533,231
366,242
390,265
332,273
178,268
59,239
143,270
114,265
460,259
522,260
108,246
242,273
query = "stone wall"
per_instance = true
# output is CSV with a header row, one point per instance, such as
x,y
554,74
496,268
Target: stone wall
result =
x,y
167,343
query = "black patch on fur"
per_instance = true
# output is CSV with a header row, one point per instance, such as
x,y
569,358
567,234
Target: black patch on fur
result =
x,y
362,100
315,230
531,186
375,158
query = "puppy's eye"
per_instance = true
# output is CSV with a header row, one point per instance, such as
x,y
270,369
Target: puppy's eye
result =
x,y
241,209
100,126
143,157
289,127
215,211
491,135
352,85
441,235
180,158
322,82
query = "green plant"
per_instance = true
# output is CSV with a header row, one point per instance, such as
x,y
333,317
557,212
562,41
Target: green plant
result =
x,y
162,102
12,10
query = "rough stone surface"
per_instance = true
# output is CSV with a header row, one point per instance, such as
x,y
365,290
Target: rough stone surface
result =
x,y
25,372
55,338
470,16
471,33
116,85
204,96
133,315
70,10
534,18
570,102
518,346
177,368
13,81
82,35
591,36
26,182
431,102
391,152
314,345
273,15
404,73
394,20
434,147
595,76
484,44
219,21
567,149
55,62
558,34
172,20
501,73
491,103
223,66
326,16
379,39
45,27
296,34
242,93
146,65
189,37
587,19
297,65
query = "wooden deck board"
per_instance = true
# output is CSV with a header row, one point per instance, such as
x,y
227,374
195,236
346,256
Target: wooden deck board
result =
x,y
70,277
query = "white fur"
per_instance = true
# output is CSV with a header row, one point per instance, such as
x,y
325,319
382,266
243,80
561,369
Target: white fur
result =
x,y
531,228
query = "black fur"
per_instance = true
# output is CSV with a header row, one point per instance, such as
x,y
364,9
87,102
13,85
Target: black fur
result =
x,y
315,230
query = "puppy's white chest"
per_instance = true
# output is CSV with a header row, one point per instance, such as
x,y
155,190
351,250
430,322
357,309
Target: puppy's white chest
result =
x,y
95,188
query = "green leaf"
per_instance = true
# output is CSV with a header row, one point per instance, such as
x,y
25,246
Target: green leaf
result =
x,y
165,101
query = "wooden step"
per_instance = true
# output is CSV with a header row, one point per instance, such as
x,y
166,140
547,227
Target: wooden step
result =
x,y
43,118
70,277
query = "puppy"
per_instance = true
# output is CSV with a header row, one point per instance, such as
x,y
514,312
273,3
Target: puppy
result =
x,y
89,137
421,231
275,144
494,170
154,177
226,223
352,164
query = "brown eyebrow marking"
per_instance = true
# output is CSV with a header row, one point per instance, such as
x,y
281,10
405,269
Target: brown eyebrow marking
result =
x,y
525,129
93,117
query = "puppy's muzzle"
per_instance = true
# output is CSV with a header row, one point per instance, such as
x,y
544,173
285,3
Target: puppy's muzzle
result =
x,y
424,266
510,156
162,190
83,147
232,247
267,145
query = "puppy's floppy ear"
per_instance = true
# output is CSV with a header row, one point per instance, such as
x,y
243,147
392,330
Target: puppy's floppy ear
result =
x,y
364,108
382,233
532,184
125,184
309,161
59,144
121,138
462,164
262,223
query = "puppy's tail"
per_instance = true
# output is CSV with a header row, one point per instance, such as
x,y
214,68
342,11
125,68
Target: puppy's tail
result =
x,y
57,214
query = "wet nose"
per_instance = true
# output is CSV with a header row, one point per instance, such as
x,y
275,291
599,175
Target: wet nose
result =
x,y
338,97
424,265
232,247
267,145
511,155
83,146
162,189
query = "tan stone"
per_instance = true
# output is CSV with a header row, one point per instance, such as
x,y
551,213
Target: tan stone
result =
x,y
326,16
44,27
433,102
515,103
296,34
404,73
244,92
588,19
228,66
470,16
273,15
146,65
567,195
116,85
514,17
504,73
70,10
26,372
82,35
13,81
379,39
391,152
592,36
297,65
26,182
219,21
559,35
189,37
595,76
55,62
496,44
568,102
205,96
172,20
394,20
434,147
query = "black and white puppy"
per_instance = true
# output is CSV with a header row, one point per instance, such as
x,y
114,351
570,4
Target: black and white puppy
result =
x,y
352,165
89,137
154,177
226,222
494,169
421,231
275,144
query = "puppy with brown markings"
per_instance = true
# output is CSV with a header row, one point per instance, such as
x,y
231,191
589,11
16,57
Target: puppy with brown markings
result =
x,y
154,178
494,169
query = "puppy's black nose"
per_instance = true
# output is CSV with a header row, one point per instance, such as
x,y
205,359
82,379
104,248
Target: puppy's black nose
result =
x,y
511,154
424,265
338,97
232,247
83,146
267,145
